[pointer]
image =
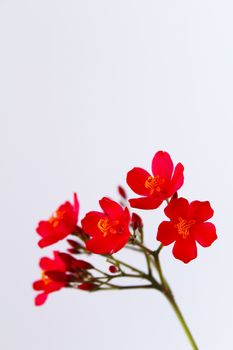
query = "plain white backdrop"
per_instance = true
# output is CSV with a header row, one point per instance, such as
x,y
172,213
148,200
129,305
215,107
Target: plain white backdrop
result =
x,y
88,90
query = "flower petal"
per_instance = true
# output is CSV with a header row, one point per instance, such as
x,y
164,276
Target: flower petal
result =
x,y
44,228
204,233
54,286
47,264
90,223
200,211
136,179
176,208
145,202
185,249
162,165
76,206
53,238
111,208
38,285
40,299
167,232
57,263
177,179
107,245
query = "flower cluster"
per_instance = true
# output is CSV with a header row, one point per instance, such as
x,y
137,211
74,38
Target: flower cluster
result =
x,y
107,231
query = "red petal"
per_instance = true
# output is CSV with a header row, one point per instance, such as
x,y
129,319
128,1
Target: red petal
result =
x,y
185,249
136,179
52,264
90,223
145,203
111,208
45,242
107,245
167,233
44,228
201,211
38,285
40,299
177,179
177,208
76,206
47,264
204,233
54,286
162,165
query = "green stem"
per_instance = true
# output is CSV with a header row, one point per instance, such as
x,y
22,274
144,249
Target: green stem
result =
x,y
182,321
113,286
141,273
166,290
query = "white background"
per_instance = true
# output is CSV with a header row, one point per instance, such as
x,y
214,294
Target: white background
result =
x,y
88,90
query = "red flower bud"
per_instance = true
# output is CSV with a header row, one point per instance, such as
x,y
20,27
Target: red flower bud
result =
x,y
136,222
87,286
122,192
113,269
74,244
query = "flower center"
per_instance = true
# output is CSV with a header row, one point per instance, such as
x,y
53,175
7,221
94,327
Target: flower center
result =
x,y
45,278
154,184
106,226
56,218
184,226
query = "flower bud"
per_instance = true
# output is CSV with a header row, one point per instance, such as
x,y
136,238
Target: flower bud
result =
x,y
87,286
113,269
122,192
136,222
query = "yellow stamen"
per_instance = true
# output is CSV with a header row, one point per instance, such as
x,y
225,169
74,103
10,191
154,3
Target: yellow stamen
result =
x,y
45,278
184,226
154,183
106,226
56,218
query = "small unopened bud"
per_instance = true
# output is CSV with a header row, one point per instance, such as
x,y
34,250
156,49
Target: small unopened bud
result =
x,y
87,286
136,222
73,251
113,269
175,195
122,192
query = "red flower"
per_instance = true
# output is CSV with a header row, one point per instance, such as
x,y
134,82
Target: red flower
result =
x,y
155,189
109,230
60,225
187,226
57,273
47,285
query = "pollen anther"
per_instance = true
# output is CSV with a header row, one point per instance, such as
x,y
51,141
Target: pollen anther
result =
x,y
154,183
184,226
106,226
